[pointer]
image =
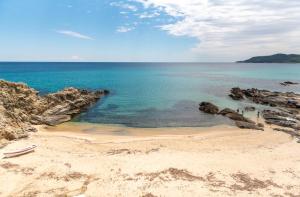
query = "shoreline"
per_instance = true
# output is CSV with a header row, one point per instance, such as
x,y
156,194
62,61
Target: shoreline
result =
x,y
213,161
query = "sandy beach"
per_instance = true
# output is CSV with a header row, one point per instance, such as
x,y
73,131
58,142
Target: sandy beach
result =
x,y
96,160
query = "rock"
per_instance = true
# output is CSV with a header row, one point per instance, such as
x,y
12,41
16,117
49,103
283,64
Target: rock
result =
x,y
281,119
291,132
260,125
249,108
265,97
50,120
236,94
226,111
21,106
208,108
247,125
233,115
287,83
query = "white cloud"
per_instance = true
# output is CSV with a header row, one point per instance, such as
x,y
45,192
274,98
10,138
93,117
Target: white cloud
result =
x,y
74,34
148,15
124,29
124,6
231,29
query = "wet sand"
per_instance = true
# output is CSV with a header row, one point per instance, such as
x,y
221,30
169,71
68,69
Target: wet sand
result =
x,y
98,160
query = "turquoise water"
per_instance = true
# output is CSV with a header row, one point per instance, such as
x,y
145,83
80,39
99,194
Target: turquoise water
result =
x,y
153,94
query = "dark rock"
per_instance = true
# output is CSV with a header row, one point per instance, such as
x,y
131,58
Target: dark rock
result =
x,y
226,111
281,119
249,108
265,97
233,115
247,125
261,125
208,108
236,94
287,83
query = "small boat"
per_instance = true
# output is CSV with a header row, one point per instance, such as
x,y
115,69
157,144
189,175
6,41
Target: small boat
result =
x,y
20,152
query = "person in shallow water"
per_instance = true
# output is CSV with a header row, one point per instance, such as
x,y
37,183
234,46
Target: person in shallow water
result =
x,y
238,110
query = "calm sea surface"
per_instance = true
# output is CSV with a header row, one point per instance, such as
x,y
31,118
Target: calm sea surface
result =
x,y
153,94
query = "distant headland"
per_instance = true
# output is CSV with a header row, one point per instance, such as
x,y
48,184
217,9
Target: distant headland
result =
x,y
277,58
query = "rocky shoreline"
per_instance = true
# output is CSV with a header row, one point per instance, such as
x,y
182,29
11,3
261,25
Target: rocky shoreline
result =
x,y
284,109
21,107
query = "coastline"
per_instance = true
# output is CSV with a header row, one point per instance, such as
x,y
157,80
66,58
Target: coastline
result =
x,y
213,161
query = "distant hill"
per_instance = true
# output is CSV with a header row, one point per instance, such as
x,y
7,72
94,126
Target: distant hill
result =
x,y
277,58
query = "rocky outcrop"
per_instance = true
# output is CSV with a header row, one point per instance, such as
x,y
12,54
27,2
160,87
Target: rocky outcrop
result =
x,y
208,108
288,83
21,107
247,125
236,94
282,119
265,97
286,106
233,115
239,119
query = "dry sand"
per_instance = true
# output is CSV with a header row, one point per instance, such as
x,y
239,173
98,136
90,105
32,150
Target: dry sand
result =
x,y
117,161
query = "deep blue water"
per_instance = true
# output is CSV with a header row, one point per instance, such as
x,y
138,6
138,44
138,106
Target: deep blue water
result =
x,y
153,94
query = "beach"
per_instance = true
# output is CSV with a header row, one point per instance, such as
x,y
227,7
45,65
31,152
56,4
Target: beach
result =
x,y
96,160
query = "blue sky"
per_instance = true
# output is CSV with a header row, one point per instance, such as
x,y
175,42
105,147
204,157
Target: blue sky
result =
x,y
147,30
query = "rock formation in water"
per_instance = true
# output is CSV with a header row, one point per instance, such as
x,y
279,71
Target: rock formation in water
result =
x,y
21,107
288,83
240,121
208,107
274,99
284,106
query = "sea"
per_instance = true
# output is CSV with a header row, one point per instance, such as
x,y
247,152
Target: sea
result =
x,y
151,95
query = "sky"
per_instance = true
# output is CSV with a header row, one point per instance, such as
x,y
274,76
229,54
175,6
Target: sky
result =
x,y
147,30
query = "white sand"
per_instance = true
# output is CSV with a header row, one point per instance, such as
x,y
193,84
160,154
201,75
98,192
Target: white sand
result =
x,y
118,161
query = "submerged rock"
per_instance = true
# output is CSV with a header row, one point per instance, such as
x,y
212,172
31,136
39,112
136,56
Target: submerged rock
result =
x,y
21,107
208,107
287,83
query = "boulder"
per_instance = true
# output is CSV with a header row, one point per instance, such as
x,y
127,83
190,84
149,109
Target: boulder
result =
x,y
226,111
233,115
260,125
247,125
249,108
208,108
236,94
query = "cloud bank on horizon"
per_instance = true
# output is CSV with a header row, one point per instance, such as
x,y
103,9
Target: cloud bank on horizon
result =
x,y
223,28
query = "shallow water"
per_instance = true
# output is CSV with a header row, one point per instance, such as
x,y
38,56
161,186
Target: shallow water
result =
x,y
154,94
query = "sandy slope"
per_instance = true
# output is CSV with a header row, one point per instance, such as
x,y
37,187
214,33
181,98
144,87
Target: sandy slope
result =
x,y
117,161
